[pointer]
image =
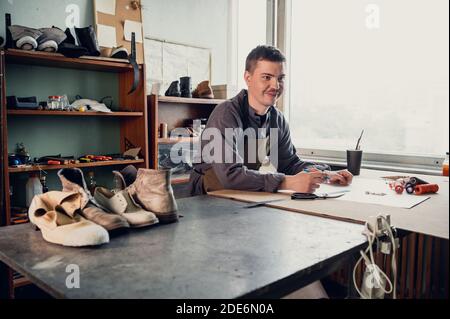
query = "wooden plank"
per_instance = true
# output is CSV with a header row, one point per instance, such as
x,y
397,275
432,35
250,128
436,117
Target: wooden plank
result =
x,y
5,218
420,260
193,101
436,266
411,264
446,268
134,130
152,101
79,165
419,273
428,258
20,282
74,113
404,265
40,58
3,141
387,265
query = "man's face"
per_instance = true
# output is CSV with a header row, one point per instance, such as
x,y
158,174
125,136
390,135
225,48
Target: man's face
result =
x,y
265,83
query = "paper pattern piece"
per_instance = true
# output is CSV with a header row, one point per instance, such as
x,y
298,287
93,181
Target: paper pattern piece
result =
x,y
370,191
132,26
106,36
106,6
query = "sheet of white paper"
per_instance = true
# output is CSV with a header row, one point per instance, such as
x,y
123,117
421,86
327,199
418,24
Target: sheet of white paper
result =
x,y
371,191
106,36
132,26
106,6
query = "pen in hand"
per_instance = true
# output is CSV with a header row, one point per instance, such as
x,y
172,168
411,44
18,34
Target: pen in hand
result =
x,y
325,177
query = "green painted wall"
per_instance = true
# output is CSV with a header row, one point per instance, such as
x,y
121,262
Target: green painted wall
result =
x,y
58,135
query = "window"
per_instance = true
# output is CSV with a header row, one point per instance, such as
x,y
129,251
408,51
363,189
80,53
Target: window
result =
x,y
381,66
249,29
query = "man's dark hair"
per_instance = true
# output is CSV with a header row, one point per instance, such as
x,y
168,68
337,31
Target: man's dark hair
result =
x,y
263,53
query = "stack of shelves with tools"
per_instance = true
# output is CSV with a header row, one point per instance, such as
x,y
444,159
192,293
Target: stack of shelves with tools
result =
x,y
176,112
127,122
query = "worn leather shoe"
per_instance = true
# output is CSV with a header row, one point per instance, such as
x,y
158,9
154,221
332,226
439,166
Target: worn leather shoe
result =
x,y
56,214
203,91
72,180
153,191
121,203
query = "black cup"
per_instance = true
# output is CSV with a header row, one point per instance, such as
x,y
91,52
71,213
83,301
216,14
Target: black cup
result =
x,y
354,158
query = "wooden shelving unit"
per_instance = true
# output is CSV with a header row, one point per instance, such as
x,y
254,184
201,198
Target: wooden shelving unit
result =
x,y
177,113
132,112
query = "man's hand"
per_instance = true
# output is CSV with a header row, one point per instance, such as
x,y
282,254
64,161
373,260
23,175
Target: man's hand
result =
x,y
303,182
342,177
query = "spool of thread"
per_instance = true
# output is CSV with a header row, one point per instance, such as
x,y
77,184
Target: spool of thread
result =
x,y
164,130
417,181
426,189
409,187
398,187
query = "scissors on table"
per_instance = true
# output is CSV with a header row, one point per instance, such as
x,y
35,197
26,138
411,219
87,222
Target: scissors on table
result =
x,y
306,196
300,196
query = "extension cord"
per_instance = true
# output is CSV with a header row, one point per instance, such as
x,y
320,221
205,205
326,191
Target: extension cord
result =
x,y
375,281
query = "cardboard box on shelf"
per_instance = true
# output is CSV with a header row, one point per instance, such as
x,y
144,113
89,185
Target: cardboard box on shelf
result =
x,y
224,91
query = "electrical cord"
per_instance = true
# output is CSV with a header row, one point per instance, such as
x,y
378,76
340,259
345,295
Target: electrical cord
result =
x,y
376,272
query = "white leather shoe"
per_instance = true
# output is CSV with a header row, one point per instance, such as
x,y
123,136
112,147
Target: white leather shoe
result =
x,y
61,224
123,204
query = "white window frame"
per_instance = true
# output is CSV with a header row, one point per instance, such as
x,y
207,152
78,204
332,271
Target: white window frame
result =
x,y
389,161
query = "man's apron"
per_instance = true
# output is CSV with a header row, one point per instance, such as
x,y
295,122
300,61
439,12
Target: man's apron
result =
x,y
210,180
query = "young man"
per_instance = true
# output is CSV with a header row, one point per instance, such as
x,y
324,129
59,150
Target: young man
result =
x,y
255,109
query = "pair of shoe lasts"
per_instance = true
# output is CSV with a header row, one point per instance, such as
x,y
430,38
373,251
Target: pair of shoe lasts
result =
x,y
181,88
151,189
56,214
99,211
44,39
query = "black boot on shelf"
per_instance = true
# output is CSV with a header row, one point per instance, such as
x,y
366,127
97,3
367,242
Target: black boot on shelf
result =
x,y
88,39
186,87
174,89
